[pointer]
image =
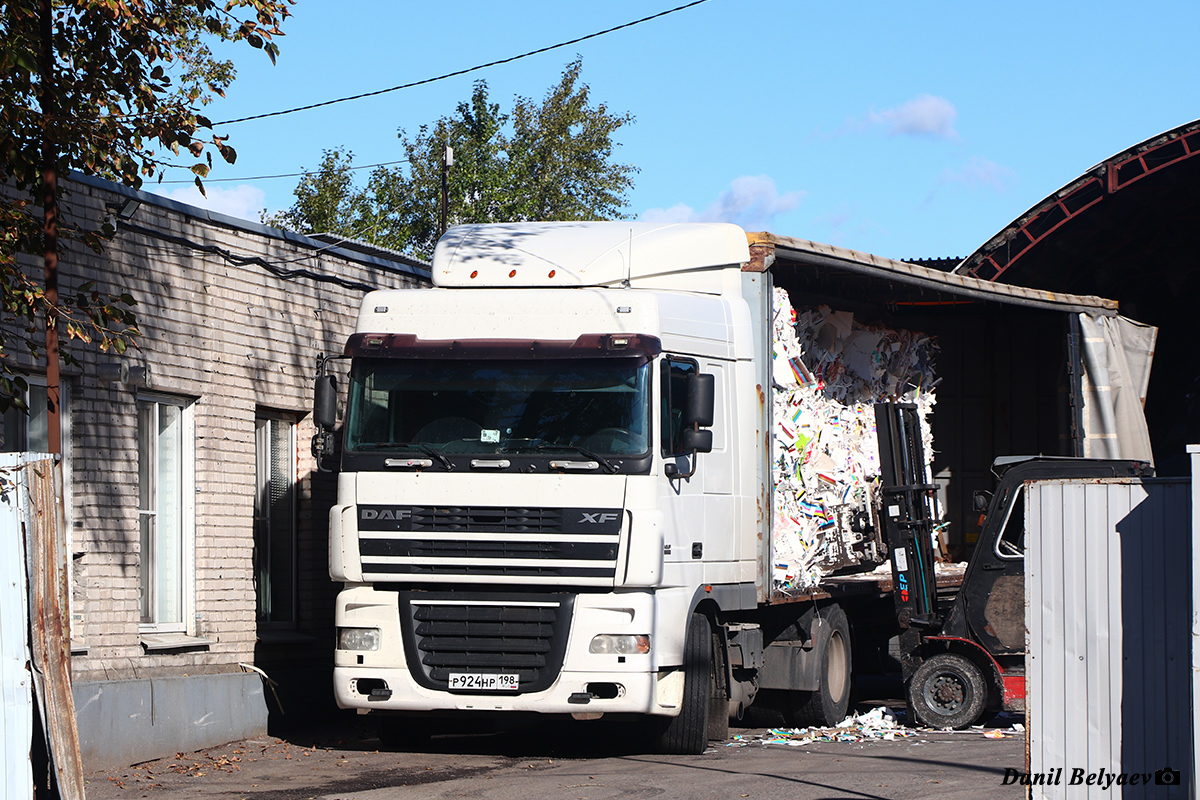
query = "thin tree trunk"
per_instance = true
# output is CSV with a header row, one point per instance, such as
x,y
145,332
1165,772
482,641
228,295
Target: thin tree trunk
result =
x,y
50,229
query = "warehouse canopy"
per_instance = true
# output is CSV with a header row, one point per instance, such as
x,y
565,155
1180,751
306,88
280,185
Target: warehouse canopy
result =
x,y
1126,222
1129,229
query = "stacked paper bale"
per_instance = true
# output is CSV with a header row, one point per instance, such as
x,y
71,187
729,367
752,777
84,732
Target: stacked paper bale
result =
x,y
829,371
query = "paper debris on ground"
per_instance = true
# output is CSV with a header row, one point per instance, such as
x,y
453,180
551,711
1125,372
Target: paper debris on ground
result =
x,y
828,372
878,724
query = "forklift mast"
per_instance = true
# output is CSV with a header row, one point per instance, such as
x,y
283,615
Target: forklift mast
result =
x,y
909,518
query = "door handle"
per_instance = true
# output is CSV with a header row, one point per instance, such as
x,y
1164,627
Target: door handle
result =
x,y
993,566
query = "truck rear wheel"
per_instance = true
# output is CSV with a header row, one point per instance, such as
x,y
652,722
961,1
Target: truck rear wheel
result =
x,y
827,705
688,733
947,691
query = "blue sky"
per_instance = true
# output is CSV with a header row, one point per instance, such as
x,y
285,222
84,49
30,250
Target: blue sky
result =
x,y
907,130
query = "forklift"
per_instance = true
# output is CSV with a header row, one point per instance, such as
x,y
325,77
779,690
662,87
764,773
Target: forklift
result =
x,y
964,657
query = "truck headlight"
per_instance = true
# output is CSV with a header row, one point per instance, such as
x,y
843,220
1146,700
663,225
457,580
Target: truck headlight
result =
x,y
620,644
358,638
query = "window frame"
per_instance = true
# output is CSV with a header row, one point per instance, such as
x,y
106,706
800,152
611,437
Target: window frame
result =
x,y
668,434
265,420
187,516
1017,498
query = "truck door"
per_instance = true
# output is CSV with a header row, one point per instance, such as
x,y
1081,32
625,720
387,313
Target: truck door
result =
x,y
995,586
699,521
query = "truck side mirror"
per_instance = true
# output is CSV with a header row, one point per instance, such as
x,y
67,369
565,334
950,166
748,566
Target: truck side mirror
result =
x,y
325,402
981,499
694,441
701,401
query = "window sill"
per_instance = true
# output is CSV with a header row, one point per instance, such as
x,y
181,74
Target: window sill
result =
x,y
160,642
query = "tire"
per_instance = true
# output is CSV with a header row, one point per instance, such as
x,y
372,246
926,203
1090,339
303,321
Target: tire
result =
x,y
687,734
947,691
827,705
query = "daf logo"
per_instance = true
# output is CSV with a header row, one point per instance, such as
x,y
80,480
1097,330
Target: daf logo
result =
x,y
598,518
386,513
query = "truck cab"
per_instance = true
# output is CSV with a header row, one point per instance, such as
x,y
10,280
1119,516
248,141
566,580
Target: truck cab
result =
x,y
544,499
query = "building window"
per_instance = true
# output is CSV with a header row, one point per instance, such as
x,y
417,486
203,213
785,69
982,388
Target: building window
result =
x,y
166,493
275,520
29,430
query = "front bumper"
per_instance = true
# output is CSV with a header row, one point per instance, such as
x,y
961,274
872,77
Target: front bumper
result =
x,y
572,693
586,682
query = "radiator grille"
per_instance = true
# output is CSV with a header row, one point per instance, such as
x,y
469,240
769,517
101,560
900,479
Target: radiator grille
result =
x,y
468,518
498,519
534,545
448,633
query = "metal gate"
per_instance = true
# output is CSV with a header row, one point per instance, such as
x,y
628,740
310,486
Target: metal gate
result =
x,y
1109,573
35,652
16,684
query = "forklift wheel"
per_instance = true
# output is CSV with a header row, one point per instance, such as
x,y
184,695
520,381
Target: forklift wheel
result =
x,y
947,691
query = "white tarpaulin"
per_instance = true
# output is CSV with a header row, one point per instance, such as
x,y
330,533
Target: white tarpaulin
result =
x,y
1117,354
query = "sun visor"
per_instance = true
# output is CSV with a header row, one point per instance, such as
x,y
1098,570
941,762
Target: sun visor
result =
x,y
572,254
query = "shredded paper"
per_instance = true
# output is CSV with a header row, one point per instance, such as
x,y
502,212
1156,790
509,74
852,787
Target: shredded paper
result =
x,y
878,724
828,372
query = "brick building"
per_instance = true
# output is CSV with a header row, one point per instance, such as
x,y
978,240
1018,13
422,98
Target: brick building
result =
x,y
197,521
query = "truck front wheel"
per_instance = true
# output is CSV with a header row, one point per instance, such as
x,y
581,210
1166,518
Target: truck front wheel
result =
x,y
947,691
688,733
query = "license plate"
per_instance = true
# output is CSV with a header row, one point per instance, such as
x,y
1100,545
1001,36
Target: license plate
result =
x,y
486,682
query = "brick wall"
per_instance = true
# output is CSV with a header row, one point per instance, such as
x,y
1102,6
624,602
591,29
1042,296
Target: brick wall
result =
x,y
235,340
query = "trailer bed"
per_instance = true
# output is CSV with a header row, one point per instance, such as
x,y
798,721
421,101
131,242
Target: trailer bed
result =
x,y
877,583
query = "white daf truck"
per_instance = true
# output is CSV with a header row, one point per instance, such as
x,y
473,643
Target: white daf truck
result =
x,y
554,490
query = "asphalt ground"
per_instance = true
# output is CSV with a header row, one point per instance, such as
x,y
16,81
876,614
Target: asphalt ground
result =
x,y
591,760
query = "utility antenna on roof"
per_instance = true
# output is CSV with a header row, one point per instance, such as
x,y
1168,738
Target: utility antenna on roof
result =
x,y
629,263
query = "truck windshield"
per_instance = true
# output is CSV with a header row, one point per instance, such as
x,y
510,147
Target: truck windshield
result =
x,y
496,406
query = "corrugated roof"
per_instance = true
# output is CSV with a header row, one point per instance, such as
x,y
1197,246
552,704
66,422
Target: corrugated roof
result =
x,y
868,266
382,258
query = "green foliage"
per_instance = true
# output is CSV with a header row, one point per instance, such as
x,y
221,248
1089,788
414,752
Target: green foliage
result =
x,y
122,102
551,160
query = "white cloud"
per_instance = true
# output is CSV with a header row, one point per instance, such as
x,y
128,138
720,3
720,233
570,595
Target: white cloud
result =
x,y
925,115
244,201
751,201
980,173
676,213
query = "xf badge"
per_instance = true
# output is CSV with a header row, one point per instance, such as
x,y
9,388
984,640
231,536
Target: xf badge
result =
x,y
598,517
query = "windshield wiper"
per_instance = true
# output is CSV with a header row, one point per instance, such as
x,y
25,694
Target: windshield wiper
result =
x,y
424,448
599,459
